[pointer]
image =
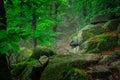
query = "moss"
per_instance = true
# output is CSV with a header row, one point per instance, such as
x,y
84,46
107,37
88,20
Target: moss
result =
x,y
24,54
75,74
40,51
101,43
96,50
113,57
60,63
119,42
19,67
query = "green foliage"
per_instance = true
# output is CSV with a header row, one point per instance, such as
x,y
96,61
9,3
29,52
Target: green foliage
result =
x,y
19,67
19,23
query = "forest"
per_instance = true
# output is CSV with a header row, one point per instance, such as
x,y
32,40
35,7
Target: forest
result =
x,y
59,39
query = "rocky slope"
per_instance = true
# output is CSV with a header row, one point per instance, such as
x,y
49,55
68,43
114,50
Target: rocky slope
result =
x,y
101,34
97,55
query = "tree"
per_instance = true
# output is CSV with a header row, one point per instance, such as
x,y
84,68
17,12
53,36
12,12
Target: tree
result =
x,y
4,71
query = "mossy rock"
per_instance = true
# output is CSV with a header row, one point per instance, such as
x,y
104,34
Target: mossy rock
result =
x,y
102,18
99,43
60,63
75,74
111,58
111,25
73,35
90,31
19,67
118,32
40,51
23,54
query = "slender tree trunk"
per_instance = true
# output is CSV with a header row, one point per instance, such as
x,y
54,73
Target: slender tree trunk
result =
x,y
34,23
84,11
56,13
4,71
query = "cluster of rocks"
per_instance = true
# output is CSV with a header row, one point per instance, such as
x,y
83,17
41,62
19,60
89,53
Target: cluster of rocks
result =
x,y
101,34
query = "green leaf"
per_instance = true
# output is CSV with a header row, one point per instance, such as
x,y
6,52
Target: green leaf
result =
x,y
14,38
2,34
3,44
4,49
15,46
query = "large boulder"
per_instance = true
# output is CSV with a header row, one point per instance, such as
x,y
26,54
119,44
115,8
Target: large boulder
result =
x,y
111,25
99,43
29,70
89,31
40,51
102,18
58,65
75,74
34,70
100,71
110,58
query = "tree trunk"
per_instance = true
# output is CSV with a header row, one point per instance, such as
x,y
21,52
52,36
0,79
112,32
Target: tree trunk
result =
x,y
84,11
34,23
4,71
56,13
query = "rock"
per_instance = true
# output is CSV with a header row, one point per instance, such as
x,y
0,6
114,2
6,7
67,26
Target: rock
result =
x,y
58,65
18,68
99,43
89,31
12,57
74,50
118,32
23,54
111,25
43,60
40,51
34,70
115,64
102,18
89,47
74,42
23,70
75,74
100,71
111,58
117,15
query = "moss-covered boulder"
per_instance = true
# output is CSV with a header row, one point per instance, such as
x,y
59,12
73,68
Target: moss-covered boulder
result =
x,y
102,18
75,74
111,25
99,43
58,65
29,70
18,68
110,58
100,71
89,31
40,51
34,70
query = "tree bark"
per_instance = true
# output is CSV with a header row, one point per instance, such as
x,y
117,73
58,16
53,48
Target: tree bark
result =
x,y
34,23
4,71
56,13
